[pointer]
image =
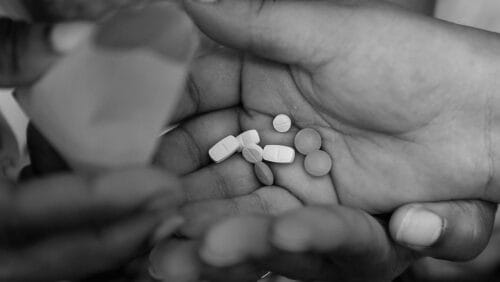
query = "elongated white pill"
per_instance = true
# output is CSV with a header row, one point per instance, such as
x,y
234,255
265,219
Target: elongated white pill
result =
x,y
224,149
248,138
253,153
282,123
279,154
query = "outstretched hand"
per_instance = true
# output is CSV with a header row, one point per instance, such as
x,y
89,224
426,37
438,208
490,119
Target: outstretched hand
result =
x,y
396,134
403,121
217,191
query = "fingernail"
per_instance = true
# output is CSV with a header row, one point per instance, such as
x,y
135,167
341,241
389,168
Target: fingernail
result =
x,y
167,228
67,36
420,228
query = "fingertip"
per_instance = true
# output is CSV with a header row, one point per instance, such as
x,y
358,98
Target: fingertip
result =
x,y
235,240
291,234
220,245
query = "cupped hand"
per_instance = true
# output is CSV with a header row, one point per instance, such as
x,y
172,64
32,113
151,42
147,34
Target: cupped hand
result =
x,y
366,120
216,191
404,117
245,92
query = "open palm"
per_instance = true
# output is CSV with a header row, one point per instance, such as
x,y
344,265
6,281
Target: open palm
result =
x,y
398,128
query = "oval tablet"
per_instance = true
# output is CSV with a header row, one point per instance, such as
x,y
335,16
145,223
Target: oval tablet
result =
x,y
264,173
282,123
307,140
279,154
318,163
248,138
252,153
224,149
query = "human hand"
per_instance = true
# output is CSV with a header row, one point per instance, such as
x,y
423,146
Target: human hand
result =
x,y
216,191
402,120
230,94
314,243
248,195
68,227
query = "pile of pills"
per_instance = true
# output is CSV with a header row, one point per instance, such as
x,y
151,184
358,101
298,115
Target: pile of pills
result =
x,y
307,142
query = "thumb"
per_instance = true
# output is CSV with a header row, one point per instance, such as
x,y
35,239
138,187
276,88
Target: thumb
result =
x,y
28,50
279,30
456,230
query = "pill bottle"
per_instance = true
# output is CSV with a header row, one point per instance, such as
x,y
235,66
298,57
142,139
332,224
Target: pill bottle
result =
x,y
104,104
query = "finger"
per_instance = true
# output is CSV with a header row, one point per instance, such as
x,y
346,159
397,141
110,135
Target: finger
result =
x,y
247,239
268,200
236,240
178,260
449,230
278,30
70,201
213,84
231,178
44,158
78,254
329,229
175,260
28,50
185,148
344,235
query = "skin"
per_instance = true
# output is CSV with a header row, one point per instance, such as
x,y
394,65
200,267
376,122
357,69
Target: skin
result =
x,y
418,136
190,162
53,224
416,123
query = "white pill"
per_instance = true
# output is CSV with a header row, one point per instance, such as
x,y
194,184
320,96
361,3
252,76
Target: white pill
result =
x,y
253,153
224,149
279,154
248,137
282,123
264,174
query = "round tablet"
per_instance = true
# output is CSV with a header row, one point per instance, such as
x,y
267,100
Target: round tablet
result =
x,y
307,140
253,153
264,173
282,123
318,163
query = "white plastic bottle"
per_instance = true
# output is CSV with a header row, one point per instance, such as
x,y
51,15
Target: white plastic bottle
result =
x,y
105,103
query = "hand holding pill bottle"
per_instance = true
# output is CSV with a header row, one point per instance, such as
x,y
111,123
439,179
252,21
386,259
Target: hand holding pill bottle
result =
x,y
105,103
